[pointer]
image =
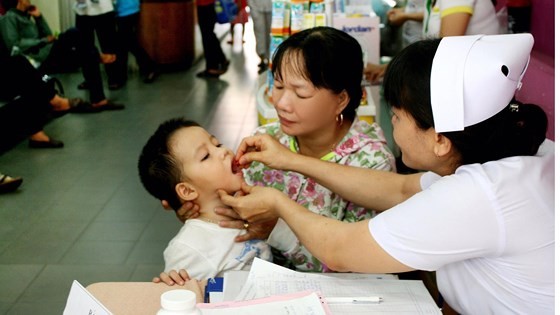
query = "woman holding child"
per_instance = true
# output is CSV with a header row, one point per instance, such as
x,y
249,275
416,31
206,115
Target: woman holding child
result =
x,y
317,90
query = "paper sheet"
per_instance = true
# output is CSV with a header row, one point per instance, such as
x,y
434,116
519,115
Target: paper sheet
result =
x,y
80,301
305,302
399,296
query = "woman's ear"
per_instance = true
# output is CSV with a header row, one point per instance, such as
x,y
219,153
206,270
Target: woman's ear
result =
x,y
442,145
186,191
343,100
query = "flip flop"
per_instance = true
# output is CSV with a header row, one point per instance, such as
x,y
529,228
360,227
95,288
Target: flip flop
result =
x,y
206,74
79,106
109,106
8,184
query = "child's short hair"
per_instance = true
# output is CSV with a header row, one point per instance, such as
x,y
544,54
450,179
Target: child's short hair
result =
x,y
157,167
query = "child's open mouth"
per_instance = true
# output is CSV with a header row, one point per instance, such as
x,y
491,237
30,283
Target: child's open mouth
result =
x,y
235,167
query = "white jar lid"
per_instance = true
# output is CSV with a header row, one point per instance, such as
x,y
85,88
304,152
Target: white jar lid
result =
x,y
177,300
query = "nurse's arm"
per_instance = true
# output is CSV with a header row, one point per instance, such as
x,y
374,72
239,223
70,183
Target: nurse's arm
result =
x,y
342,246
372,189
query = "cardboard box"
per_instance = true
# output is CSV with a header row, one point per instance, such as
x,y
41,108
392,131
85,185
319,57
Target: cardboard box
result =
x,y
365,29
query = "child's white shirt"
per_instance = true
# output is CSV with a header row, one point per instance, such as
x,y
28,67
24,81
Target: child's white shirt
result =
x,y
207,250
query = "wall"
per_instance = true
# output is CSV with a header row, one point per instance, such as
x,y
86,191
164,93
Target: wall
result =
x,y
50,10
538,83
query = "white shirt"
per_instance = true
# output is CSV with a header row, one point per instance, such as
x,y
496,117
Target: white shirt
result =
x,y
207,250
94,8
483,16
488,231
412,30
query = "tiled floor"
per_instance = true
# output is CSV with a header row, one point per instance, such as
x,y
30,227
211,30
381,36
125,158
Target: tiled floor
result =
x,y
81,212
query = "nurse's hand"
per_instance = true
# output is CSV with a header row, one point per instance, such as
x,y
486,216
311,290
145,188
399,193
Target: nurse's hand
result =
x,y
173,277
189,210
256,206
264,149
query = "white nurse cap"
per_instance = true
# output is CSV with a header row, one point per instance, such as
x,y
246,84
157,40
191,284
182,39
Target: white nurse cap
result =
x,y
475,77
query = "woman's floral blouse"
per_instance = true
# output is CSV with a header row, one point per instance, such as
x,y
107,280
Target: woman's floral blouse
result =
x,y
363,146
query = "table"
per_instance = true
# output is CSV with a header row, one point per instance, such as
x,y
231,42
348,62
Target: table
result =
x,y
137,298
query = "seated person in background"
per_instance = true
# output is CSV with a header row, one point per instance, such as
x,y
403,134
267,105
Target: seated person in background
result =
x,y
34,100
33,38
182,162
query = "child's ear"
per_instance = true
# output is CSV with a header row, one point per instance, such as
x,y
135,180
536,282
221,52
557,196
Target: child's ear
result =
x,y
186,191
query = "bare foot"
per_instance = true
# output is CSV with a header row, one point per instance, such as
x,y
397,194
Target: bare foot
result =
x,y
60,103
40,136
100,103
107,58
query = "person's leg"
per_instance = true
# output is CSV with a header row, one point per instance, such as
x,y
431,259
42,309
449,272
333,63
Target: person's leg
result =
x,y
106,30
268,29
260,35
216,62
145,63
231,33
86,27
123,46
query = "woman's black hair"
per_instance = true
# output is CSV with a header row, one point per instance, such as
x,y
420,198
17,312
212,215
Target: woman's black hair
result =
x,y
158,169
332,60
518,130
9,4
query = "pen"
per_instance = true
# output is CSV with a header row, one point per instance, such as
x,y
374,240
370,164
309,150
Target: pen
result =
x,y
354,300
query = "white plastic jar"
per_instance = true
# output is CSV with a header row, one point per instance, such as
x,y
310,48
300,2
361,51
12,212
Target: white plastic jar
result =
x,y
178,302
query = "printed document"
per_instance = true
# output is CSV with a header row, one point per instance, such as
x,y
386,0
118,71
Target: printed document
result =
x,y
398,296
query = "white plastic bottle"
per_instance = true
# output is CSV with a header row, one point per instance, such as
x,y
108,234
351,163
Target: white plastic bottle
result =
x,y
178,302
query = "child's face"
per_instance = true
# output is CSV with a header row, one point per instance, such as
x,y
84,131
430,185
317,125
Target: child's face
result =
x,y
206,164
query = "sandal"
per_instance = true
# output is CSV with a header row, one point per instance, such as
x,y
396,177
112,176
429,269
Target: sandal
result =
x,y
108,106
79,106
9,184
207,74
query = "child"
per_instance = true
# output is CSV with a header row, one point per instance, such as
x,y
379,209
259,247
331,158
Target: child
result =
x,y
241,18
182,162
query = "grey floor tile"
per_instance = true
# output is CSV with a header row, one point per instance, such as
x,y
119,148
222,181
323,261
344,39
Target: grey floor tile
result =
x,y
15,279
54,231
98,252
54,282
146,272
34,252
113,231
34,307
161,230
148,252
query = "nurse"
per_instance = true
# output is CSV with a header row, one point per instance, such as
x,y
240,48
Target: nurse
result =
x,y
482,216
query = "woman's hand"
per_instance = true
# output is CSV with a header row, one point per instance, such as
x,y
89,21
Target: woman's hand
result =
x,y
257,230
255,206
173,277
264,149
396,16
189,210
374,72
